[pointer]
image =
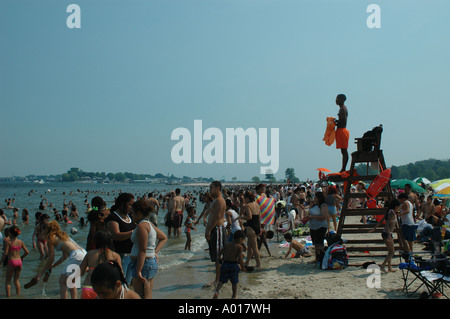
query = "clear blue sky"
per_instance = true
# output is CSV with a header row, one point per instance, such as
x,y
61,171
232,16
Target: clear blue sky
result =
x,y
107,97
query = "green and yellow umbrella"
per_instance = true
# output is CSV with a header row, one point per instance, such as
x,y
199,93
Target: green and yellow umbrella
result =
x,y
438,183
443,192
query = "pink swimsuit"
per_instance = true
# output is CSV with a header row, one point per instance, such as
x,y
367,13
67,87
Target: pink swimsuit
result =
x,y
15,263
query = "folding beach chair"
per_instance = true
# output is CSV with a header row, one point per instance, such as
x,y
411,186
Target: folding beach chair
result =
x,y
432,273
283,227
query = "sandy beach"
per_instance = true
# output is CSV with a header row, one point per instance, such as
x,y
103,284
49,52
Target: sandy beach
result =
x,y
280,278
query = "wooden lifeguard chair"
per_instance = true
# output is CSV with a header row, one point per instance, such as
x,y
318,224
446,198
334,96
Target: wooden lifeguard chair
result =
x,y
371,245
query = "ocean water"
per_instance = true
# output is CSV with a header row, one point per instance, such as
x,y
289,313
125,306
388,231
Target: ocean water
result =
x,y
173,259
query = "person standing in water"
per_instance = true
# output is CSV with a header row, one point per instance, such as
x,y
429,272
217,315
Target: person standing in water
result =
x,y
14,266
215,230
342,134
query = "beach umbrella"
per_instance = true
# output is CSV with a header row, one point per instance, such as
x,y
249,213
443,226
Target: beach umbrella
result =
x,y
441,187
444,192
439,182
321,172
420,180
400,184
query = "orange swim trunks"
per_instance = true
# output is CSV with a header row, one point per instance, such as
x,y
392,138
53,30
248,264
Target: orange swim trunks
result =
x,y
342,137
87,292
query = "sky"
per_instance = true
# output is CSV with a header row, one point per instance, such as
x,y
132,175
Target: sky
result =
x,y
106,97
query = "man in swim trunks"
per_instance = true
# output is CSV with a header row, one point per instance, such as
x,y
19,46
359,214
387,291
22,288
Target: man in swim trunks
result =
x,y
215,231
342,134
178,213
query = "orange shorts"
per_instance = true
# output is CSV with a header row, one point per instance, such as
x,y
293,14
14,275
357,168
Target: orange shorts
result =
x,y
87,292
342,137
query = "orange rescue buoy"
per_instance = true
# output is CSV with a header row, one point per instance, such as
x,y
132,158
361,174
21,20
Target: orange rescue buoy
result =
x,y
379,183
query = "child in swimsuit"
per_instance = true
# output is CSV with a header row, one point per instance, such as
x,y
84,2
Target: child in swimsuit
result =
x,y
189,226
14,266
232,263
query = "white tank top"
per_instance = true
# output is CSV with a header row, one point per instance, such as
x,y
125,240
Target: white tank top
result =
x,y
408,219
151,242
234,221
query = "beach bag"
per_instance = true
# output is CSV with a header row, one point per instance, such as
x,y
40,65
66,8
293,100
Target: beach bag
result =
x,y
337,257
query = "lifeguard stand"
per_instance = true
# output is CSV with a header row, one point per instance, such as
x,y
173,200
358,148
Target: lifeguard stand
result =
x,y
371,244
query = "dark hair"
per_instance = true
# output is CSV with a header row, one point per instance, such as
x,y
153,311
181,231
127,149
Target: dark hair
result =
x,y
14,230
229,203
288,236
107,274
402,195
178,191
259,186
43,216
103,239
238,234
391,205
321,198
394,203
249,195
121,200
142,206
217,184
341,97
190,209
98,202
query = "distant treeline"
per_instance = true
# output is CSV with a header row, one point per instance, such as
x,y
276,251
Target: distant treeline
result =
x,y
432,169
76,174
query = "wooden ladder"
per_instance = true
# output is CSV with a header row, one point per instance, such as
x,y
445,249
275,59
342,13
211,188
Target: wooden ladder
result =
x,y
371,244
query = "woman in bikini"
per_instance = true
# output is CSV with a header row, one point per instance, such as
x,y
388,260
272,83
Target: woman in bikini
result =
x,y
390,220
14,267
39,240
72,253
102,253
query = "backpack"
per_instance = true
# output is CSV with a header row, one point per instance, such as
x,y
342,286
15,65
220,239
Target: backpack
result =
x,y
338,257
335,257
372,139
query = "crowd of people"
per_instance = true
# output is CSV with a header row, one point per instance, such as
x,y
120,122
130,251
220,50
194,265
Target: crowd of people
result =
x,y
121,236
120,258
